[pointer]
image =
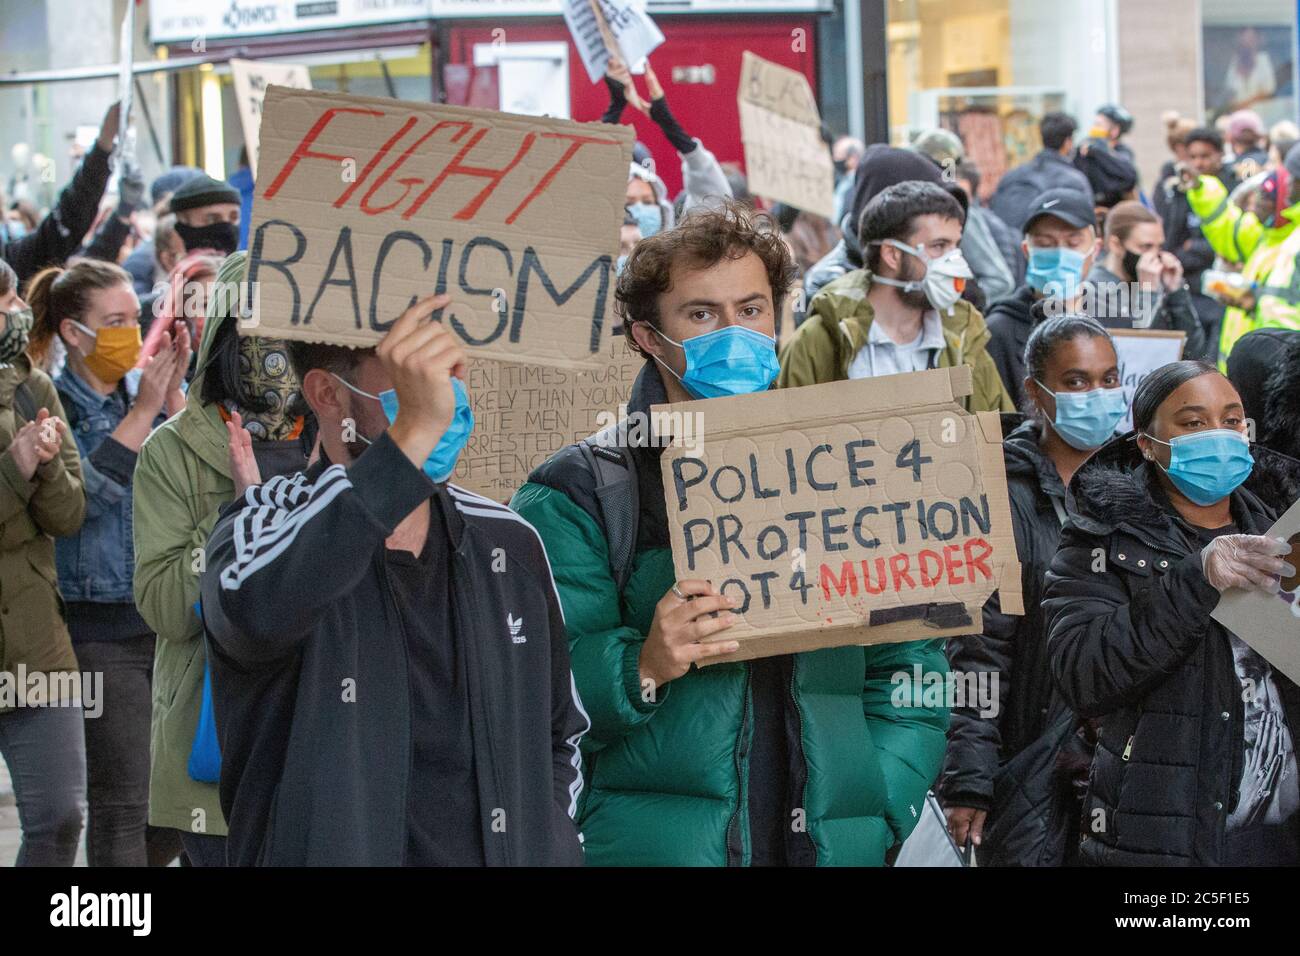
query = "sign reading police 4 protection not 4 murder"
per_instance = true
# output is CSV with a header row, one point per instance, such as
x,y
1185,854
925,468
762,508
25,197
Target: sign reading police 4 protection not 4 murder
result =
x,y
855,512
364,205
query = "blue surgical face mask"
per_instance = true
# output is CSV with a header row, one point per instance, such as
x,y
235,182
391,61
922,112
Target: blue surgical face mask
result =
x,y
1061,266
1210,465
1086,420
442,460
649,218
728,361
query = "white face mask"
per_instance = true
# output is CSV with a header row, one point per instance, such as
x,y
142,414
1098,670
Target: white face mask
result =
x,y
944,277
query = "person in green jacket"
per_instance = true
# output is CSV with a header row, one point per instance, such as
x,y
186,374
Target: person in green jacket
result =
x,y
182,479
798,759
1255,237
904,311
42,497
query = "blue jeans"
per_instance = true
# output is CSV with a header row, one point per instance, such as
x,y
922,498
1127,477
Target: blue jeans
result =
x,y
45,750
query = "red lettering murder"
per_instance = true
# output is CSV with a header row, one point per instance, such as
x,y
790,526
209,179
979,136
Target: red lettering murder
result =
x,y
896,571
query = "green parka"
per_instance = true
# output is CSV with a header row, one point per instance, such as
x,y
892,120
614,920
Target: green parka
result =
x,y
32,514
839,321
182,479
667,778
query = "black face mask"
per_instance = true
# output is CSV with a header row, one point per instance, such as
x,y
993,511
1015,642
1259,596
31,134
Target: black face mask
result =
x,y
1131,264
221,236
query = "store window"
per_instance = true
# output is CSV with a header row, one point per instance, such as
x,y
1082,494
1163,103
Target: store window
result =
x,y
1248,58
989,69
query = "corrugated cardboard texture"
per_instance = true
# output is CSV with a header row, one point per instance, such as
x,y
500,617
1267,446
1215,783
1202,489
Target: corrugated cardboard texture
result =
x,y
864,458
365,204
785,157
252,78
523,414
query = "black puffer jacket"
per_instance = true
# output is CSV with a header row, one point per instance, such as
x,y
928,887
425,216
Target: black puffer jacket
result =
x,y
1132,641
1013,647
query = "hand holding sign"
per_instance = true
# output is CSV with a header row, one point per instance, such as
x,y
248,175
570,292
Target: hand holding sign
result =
x,y
680,625
421,359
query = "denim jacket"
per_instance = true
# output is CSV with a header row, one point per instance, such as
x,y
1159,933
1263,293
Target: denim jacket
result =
x,y
96,564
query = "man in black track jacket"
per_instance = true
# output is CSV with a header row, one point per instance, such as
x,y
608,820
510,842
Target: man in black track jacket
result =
x,y
390,669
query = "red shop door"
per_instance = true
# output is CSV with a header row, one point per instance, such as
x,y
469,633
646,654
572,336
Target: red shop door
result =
x,y
696,50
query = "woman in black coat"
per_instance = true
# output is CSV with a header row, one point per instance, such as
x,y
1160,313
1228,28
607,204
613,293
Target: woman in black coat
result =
x,y
1196,762
1076,400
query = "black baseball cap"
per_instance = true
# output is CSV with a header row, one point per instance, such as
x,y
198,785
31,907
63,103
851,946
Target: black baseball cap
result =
x,y
1071,206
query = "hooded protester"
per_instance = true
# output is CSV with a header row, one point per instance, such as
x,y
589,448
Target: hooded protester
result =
x,y
92,309
207,214
1195,764
647,200
791,760
1254,236
457,744
182,480
60,234
904,311
987,242
1265,370
42,738
1073,377
880,167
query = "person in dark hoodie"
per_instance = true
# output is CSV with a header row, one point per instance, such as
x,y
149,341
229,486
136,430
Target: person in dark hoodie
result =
x,y
390,669
1195,764
1060,244
1073,379
1265,368
1013,200
60,234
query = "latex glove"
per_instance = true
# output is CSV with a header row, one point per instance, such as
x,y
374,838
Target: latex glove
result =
x,y
1246,561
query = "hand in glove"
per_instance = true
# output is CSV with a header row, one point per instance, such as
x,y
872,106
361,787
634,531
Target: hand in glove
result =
x,y
1246,561
130,190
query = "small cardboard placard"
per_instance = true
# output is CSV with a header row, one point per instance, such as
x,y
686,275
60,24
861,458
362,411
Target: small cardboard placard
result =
x,y
1270,623
1141,352
785,156
251,78
523,414
856,512
598,25
365,205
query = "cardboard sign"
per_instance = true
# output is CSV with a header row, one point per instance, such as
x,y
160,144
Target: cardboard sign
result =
x,y
856,512
1270,623
252,77
600,27
523,414
1141,352
364,205
785,157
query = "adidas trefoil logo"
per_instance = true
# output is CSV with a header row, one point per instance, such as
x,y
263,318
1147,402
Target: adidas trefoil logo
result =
x,y
515,627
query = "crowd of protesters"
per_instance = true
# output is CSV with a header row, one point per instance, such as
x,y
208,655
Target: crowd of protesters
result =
x,y
294,620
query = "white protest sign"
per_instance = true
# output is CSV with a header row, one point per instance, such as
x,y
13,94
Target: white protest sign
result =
x,y
1141,352
252,77
597,25
785,156
1270,623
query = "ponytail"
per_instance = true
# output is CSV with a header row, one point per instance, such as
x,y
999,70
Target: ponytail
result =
x,y
55,294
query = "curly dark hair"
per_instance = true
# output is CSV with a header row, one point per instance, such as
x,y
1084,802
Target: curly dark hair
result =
x,y
699,241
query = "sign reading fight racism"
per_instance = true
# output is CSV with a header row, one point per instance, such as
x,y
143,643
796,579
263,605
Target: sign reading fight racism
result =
x,y
785,157
364,205
523,414
1141,352
252,77
856,512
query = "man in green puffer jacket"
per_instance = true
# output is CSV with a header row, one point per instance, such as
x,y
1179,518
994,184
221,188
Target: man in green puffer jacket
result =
x,y
793,760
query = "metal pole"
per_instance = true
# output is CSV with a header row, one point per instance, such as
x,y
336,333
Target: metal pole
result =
x,y
871,74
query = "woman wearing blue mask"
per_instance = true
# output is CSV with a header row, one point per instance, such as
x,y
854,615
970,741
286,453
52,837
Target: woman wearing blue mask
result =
x,y
1073,380
1195,763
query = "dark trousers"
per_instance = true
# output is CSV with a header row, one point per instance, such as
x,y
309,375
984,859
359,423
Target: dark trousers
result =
x,y
44,748
117,749
204,849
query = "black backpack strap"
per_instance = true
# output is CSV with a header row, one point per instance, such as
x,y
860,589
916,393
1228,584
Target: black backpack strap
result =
x,y
610,462
25,402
